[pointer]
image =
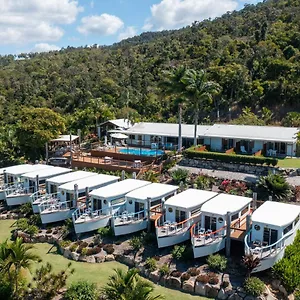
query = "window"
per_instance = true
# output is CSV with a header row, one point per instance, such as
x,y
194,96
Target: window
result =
x,y
244,211
288,228
132,137
257,227
82,194
220,220
130,202
234,217
210,223
195,212
270,236
170,209
156,202
179,216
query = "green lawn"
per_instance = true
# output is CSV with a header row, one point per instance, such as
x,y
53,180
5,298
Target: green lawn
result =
x,y
289,163
97,273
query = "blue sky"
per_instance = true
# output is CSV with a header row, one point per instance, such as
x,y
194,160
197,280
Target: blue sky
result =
x,y
43,25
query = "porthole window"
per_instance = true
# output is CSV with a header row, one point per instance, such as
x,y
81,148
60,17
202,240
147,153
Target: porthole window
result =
x,y
170,209
130,202
105,201
26,179
257,227
220,220
62,192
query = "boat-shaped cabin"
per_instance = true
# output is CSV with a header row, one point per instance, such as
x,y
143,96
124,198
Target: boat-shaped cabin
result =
x,y
139,205
180,213
31,183
104,202
61,205
209,234
274,226
52,185
10,176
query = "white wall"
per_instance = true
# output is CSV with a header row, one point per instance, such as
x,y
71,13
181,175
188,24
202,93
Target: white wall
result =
x,y
257,235
216,144
291,149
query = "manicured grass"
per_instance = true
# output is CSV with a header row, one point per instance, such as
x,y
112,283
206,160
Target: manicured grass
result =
x,y
97,273
289,163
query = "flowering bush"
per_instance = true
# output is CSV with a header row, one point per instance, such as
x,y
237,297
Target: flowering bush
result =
x,y
235,187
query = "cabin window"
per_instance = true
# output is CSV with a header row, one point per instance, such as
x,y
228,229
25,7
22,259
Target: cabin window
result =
x,y
119,200
132,137
210,223
179,216
297,219
170,209
139,206
288,228
244,211
42,181
62,192
82,194
220,220
257,227
130,202
270,236
195,212
156,202
53,189
234,217
97,205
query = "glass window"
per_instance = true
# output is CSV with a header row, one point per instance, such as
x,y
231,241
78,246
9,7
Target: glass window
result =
x,y
288,228
179,216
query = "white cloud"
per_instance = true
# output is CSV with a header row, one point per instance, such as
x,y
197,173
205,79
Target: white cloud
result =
x,y
171,14
44,47
130,31
25,21
104,24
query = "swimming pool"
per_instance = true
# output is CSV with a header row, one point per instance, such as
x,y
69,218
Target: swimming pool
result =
x,y
142,152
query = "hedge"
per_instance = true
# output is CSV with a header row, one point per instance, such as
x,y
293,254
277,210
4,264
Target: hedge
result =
x,y
234,158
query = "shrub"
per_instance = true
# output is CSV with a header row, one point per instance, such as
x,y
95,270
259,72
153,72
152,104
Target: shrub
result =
x,y
234,158
297,295
156,257
6,289
213,278
65,244
109,248
150,264
180,175
82,290
26,209
148,238
203,278
73,247
193,271
35,220
22,224
254,286
32,230
79,250
177,252
185,276
217,262
164,270
176,273
84,251
105,231
136,243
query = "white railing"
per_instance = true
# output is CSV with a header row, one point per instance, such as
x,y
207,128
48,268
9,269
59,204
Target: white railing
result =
x,y
41,197
18,189
265,251
55,205
127,217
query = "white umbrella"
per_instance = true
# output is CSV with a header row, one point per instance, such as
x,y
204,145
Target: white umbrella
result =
x,y
119,136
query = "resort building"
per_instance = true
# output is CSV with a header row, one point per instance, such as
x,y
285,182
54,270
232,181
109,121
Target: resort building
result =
x,y
61,205
135,214
103,203
274,227
180,213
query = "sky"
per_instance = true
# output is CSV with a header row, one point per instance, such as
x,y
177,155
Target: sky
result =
x,y
45,25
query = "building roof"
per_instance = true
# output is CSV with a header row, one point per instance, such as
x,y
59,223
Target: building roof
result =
x,y
25,168
224,203
46,173
65,138
264,133
276,213
190,199
61,179
118,189
92,182
155,191
121,123
166,129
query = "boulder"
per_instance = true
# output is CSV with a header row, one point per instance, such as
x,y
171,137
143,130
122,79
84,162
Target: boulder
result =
x,y
174,282
282,290
75,256
67,253
91,259
109,257
127,260
163,280
82,258
291,297
235,296
100,258
154,276
211,291
222,295
188,286
42,238
200,289
249,297
275,284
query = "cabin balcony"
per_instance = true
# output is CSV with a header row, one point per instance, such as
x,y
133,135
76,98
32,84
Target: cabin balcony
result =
x,y
38,197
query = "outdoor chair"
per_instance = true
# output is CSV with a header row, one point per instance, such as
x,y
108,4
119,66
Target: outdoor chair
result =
x,y
243,150
201,231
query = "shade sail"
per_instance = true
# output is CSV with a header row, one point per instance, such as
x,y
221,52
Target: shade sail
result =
x,y
120,136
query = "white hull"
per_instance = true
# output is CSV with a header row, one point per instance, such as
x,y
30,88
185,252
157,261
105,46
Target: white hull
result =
x,y
12,200
130,228
91,225
205,250
35,208
2,195
56,216
170,240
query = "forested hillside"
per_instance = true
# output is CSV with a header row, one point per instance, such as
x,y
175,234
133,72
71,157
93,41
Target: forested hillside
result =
x,y
252,54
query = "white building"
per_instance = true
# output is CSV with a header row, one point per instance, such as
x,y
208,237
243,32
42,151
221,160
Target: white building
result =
x,y
181,212
135,214
274,226
104,202
61,206
209,235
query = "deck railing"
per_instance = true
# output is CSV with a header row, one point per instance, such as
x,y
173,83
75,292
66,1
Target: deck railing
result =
x,y
127,217
55,205
42,197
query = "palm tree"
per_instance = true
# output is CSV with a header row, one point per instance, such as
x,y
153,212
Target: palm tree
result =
x,y
128,286
172,85
200,92
18,257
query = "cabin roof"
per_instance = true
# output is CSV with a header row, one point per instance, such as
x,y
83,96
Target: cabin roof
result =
x,y
264,133
154,191
46,173
224,203
121,123
119,189
91,182
190,199
166,129
276,213
61,179
21,169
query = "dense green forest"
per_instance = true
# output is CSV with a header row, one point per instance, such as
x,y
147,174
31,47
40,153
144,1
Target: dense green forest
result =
x,y
253,54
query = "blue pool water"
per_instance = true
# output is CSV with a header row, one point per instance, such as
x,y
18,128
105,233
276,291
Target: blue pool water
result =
x,y
143,152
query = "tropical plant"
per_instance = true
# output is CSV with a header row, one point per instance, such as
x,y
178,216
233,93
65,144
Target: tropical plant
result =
x,y
250,262
164,270
82,290
128,285
105,232
180,175
177,252
217,262
276,186
204,182
26,209
136,243
254,286
150,264
200,92
150,176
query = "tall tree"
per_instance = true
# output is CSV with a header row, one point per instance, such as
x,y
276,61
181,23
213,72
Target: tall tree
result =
x,y
200,92
174,86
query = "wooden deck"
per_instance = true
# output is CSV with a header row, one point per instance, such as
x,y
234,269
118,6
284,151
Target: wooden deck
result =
x,y
239,233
